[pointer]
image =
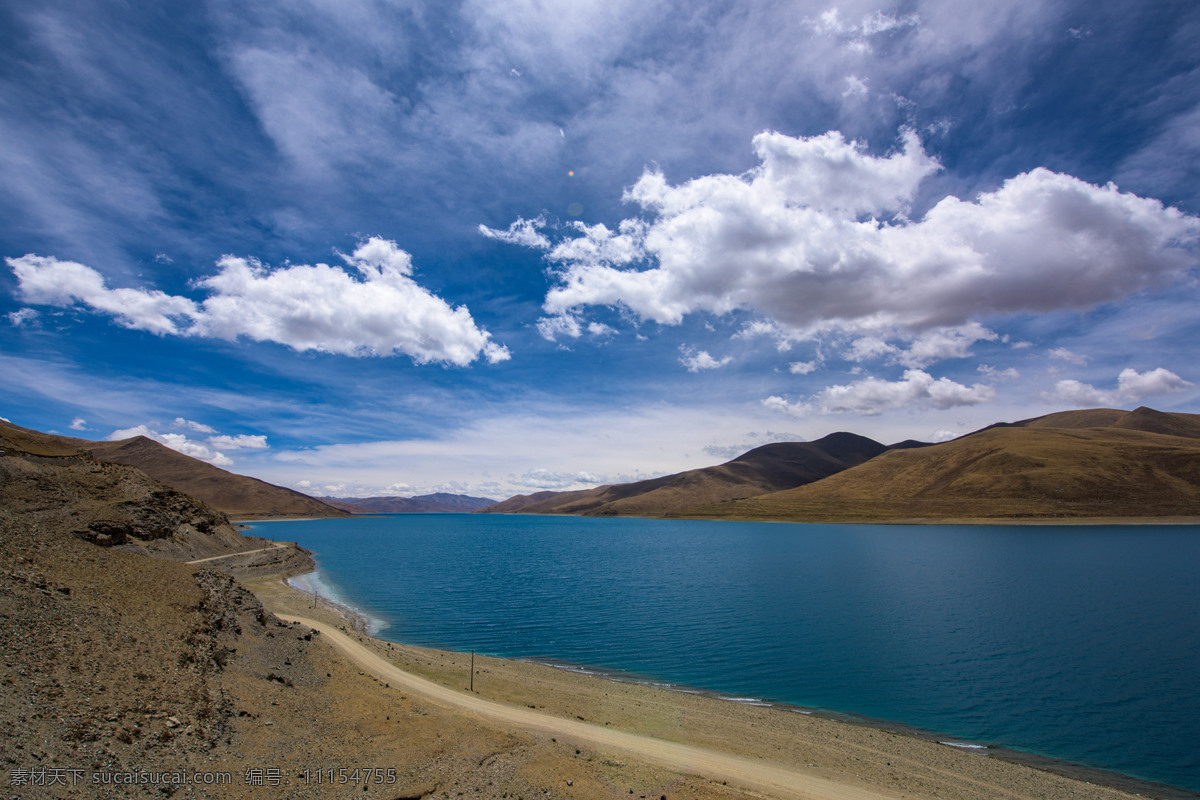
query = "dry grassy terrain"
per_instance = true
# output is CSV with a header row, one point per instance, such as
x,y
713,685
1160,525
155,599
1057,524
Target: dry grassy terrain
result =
x,y
1100,464
764,469
1095,464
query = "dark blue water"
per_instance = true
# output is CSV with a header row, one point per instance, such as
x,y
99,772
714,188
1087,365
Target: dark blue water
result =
x,y
1080,643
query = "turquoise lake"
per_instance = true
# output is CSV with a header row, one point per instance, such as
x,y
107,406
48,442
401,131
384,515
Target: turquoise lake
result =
x,y
1078,643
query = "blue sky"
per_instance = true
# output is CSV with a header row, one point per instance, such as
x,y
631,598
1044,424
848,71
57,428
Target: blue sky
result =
x,y
366,247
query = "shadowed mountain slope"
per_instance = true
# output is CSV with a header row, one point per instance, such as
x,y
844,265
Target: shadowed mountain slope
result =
x,y
236,495
761,470
1098,463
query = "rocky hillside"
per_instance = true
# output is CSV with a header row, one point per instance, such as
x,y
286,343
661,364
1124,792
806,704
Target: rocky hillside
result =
x,y
114,661
121,668
239,496
45,480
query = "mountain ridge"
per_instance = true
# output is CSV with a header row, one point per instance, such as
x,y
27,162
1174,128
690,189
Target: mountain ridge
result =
x,y
763,469
1089,464
1080,464
239,496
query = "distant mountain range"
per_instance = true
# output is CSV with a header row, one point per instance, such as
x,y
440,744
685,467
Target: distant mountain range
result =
x,y
764,469
437,503
1092,464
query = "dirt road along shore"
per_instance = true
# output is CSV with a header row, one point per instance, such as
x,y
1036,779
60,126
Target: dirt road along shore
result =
x,y
776,780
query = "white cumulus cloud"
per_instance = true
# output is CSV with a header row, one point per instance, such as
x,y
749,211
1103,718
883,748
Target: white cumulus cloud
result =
x,y
943,343
816,241
559,325
1132,387
381,312
871,396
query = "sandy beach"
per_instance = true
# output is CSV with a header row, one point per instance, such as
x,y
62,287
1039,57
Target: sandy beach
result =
x,y
596,737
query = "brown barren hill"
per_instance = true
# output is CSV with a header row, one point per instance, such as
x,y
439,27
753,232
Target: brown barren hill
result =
x,y
46,478
764,469
1094,464
237,495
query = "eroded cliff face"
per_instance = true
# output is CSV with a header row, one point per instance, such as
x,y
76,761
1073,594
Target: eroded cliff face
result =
x,y
66,490
104,504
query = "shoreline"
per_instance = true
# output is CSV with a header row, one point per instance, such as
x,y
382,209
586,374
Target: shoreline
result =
x,y
313,585
1068,769
339,612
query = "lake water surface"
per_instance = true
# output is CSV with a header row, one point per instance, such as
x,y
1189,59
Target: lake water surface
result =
x,y
1079,643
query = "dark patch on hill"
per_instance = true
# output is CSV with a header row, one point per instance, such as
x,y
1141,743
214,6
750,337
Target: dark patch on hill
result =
x,y
1090,464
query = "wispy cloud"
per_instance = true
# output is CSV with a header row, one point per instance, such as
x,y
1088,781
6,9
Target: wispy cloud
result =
x,y
751,441
1063,354
700,360
23,316
191,425
523,232
553,446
